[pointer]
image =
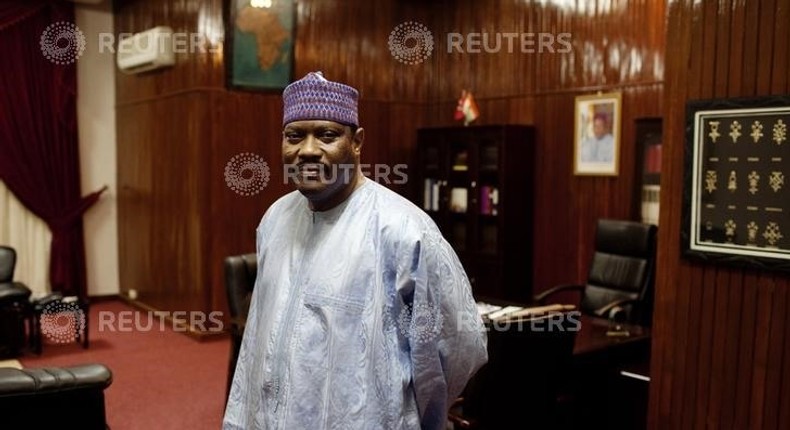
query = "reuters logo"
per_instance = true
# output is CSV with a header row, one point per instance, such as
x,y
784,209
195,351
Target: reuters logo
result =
x,y
62,43
247,174
411,43
62,322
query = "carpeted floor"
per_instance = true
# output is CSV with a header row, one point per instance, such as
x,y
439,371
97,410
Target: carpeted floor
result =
x,y
161,379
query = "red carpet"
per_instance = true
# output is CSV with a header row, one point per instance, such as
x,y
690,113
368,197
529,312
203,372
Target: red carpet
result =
x,y
161,379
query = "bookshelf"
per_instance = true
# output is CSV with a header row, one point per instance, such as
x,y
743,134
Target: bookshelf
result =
x,y
476,183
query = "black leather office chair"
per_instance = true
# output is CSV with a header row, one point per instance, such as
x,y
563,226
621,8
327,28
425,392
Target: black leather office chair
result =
x,y
620,280
55,397
240,272
15,308
519,386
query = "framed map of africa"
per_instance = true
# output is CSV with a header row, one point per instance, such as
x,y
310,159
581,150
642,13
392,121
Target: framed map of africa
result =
x,y
259,40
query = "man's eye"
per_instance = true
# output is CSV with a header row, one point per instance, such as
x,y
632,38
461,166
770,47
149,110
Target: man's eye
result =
x,y
329,136
293,137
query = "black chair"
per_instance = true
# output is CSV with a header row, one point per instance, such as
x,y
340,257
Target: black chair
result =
x,y
520,384
240,272
58,397
620,280
15,309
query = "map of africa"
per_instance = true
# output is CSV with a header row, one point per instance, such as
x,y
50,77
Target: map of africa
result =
x,y
262,47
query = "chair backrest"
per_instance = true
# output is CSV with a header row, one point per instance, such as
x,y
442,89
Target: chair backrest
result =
x,y
526,362
622,267
7,263
240,272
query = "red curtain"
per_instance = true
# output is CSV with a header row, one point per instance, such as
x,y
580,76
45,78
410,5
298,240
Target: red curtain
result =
x,y
39,160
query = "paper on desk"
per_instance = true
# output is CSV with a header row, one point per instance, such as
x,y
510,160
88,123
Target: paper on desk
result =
x,y
506,311
540,310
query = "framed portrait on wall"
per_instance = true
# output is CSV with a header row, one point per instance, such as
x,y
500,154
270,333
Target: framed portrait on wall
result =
x,y
736,201
597,134
259,44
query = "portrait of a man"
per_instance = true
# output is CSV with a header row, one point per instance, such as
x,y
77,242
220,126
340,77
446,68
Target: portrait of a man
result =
x,y
597,126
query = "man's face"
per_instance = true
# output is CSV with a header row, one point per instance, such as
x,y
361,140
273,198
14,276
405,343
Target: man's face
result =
x,y
321,157
599,127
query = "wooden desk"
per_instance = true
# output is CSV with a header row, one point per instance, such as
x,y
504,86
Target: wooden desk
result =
x,y
593,337
601,394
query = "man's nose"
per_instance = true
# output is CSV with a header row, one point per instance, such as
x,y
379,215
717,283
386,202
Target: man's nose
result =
x,y
310,148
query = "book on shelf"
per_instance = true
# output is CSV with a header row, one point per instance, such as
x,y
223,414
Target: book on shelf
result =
x,y
489,200
651,195
458,200
653,159
430,199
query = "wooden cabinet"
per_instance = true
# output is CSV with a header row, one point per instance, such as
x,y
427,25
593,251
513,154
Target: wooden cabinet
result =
x,y
477,184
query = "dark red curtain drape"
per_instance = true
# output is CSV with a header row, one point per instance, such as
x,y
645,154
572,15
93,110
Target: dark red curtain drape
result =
x,y
39,160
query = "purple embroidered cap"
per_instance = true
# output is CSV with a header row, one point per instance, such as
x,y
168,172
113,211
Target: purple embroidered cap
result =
x,y
315,98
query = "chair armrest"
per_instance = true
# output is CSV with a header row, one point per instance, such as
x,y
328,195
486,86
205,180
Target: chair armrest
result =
x,y
541,298
610,309
53,379
456,419
14,291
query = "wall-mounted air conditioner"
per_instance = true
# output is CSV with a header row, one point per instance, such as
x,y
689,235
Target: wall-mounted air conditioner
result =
x,y
147,50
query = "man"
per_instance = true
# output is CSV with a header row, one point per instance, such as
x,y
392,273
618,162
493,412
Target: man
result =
x,y
362,316
598,148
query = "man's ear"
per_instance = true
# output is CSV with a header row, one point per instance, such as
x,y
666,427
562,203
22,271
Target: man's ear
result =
x,y
358,140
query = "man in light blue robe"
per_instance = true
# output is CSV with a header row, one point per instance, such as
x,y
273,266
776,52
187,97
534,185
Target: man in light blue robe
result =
x,y
362,316
598,147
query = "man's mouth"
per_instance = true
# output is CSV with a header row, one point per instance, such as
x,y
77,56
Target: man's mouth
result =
x,y
311,171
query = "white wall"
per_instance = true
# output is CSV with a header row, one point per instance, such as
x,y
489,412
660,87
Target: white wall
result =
x,y
96,116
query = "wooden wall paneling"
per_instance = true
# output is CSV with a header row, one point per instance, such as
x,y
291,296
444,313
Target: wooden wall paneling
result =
x,y
250,124
200,68
732,342
134,192
620,48
668,333
765,43
775,339
714,387
745,351
719,353
783,412
553,229
703,310
699,394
